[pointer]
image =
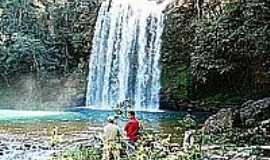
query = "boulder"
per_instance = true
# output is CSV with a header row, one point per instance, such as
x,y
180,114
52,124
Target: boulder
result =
x,y
247,115
254,111
220,121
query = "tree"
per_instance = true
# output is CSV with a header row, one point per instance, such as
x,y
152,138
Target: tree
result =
x,y
229,48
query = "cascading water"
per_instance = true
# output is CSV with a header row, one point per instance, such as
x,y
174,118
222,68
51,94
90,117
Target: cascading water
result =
x,y
124,62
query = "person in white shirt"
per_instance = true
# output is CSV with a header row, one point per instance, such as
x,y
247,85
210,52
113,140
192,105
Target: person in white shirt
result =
x,y
111,137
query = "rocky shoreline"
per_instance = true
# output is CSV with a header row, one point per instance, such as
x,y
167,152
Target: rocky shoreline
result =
x,y
244,127
18,147
251,114
40,144
247,126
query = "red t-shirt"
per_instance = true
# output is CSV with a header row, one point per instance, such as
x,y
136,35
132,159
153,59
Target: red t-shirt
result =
x,y
132,128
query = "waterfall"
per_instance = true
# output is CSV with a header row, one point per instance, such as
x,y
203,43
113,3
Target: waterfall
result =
x,y
124,61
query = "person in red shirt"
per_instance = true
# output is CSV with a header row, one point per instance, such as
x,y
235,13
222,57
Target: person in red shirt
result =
x,y
132,127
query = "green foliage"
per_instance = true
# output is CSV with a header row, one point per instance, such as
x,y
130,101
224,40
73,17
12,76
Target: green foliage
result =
x,y
45,36
187,123
176,47
192,154
224,47
80,154
152,146
224,50
229,48
177,80
220,98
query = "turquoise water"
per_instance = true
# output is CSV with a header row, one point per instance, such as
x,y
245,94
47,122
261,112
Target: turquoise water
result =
x,y
16,115
86,114
78,114
165,122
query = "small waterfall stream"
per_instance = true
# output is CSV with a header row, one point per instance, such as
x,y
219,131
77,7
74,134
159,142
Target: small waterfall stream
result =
x,y
124,62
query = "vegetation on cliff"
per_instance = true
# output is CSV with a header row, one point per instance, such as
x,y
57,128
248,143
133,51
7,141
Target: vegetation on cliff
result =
x,y
213,51
45,37
220,47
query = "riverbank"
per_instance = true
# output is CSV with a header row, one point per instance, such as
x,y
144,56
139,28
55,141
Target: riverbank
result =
x,y
42,135
231,132
239,133
217,138
19,141
76,142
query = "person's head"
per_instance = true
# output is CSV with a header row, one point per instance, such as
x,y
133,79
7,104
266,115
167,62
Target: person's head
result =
x,y
131,114
110,119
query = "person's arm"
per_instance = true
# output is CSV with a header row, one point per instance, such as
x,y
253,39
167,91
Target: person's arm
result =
x,y
126,128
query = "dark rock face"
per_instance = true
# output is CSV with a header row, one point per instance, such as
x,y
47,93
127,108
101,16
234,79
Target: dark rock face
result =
x,y
176,38
173,103
170,102
177,47
254,111
246,116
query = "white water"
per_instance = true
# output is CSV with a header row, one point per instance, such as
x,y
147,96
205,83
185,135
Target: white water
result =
x,y
124,62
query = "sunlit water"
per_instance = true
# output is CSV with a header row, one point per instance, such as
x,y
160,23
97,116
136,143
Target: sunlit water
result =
x,y
80,114
93,117
124,61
